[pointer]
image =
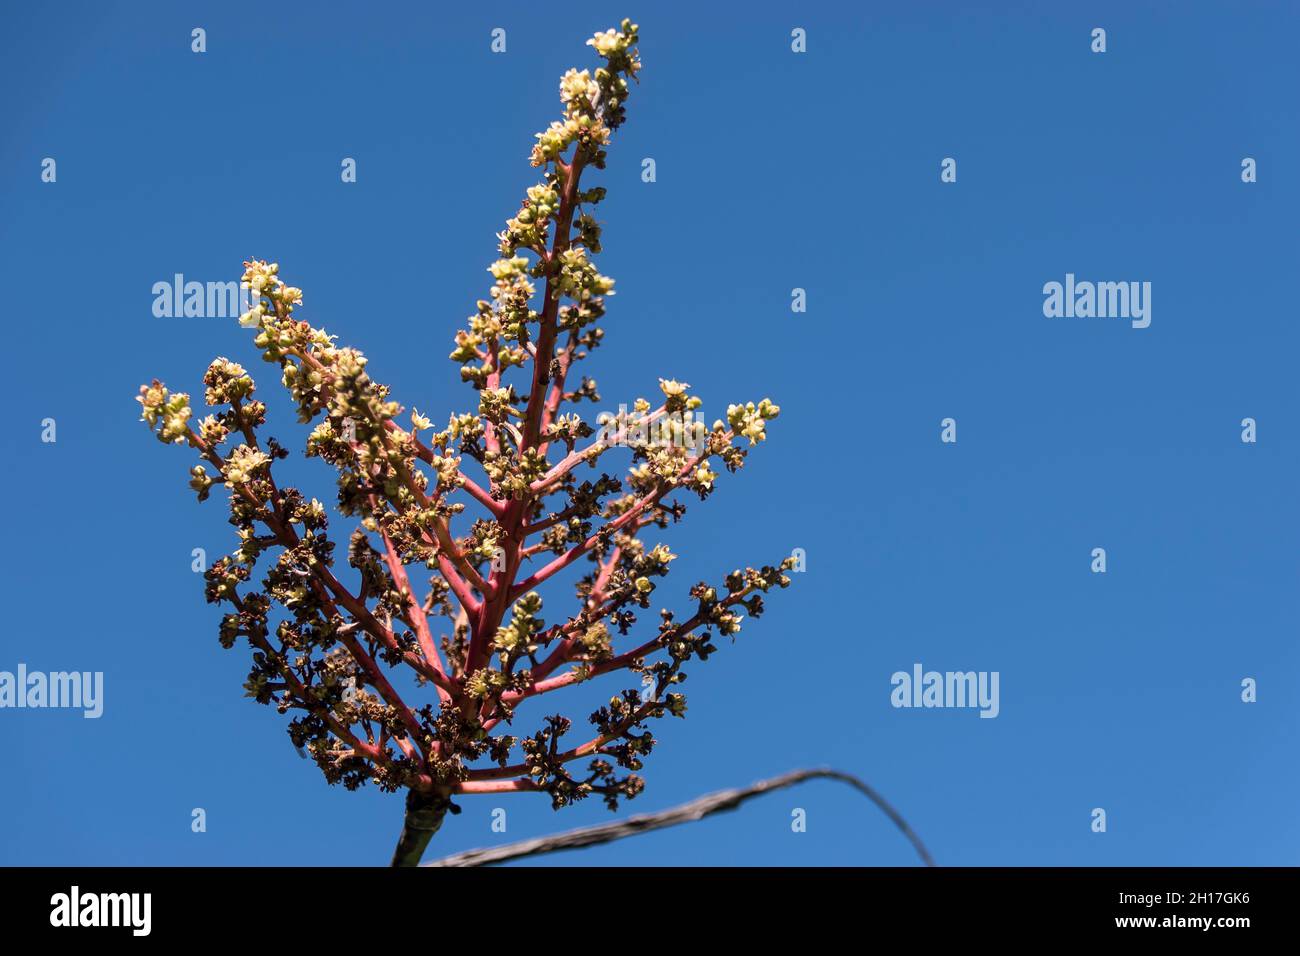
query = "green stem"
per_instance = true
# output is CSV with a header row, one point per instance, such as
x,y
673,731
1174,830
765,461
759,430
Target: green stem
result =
x,y
424,814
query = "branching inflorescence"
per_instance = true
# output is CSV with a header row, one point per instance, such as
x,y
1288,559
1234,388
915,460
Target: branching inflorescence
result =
x,y
330,651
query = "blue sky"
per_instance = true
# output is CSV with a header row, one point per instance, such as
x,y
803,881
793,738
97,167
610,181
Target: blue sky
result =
x,y
775,170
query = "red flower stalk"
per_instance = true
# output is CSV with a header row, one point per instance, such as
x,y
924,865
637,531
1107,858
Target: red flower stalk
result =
x,y
375,694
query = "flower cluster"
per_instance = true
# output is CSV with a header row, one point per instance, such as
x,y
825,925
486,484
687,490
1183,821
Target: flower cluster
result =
x,y
489,511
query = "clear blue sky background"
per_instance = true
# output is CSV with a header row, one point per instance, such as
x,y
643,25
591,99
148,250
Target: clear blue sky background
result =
x,y
775,171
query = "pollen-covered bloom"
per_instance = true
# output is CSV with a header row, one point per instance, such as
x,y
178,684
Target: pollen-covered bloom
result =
x,y
243,464
252,319
578,90
750,420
